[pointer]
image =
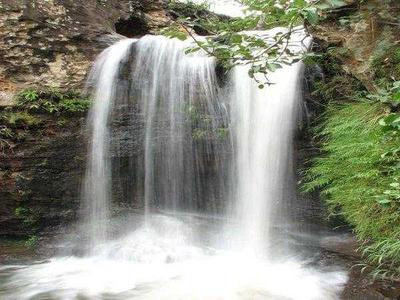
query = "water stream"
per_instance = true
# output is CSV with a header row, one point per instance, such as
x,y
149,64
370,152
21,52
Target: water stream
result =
x,y
210,165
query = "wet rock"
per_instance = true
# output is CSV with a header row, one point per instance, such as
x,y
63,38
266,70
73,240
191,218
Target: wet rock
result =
x,y
344,244
40,178
52,44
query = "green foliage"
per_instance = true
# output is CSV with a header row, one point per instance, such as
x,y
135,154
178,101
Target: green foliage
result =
x,y
261,56
199,134
101,2
27,216
10,122
6,132
27,115
62,122
188,8
30,222
174,31
232,46
359,174
74,105
20,211
53,102
29,95
202,127
222,133
385,59
31,242
17,119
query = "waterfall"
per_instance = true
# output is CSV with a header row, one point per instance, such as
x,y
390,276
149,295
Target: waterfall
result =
x,y
177,102
96,193
179,98
263,122
197,164
183,109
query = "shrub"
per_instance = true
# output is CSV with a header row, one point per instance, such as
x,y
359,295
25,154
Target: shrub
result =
x,y
359,174
53,101
18,119
31,242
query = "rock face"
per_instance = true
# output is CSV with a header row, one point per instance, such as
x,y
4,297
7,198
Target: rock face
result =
x,y
48,44
366,34
40,178
52,43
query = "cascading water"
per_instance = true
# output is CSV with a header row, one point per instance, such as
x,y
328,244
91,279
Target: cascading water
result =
x,y
194,150
178,96
263,125
97,188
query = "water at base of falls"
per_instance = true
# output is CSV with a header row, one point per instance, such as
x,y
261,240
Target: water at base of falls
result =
x,y
213,175
163,261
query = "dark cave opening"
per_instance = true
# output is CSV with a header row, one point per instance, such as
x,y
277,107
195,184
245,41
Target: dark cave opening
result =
x,y
132,27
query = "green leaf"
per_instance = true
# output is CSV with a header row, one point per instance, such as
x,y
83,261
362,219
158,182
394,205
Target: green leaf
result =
x,y
396,97
236,38
384,201
273,67
311,14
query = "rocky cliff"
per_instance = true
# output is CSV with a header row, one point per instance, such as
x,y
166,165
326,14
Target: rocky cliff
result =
x,y
51,45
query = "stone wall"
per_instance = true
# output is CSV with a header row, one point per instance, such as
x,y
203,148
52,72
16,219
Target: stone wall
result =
x,y
51,44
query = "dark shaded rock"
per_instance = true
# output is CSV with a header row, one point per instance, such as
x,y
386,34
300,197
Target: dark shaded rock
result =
x,y
131,27
40,178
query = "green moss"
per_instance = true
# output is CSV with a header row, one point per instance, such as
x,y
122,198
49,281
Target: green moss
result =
x,y
357,172
53,101
188,8
62,122
341,87
31,242
19,119
199,134
222,133
27,216
341,53
10,124
6,132
385,59
336,85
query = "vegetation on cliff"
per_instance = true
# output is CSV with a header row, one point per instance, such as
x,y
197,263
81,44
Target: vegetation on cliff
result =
x,y
359,174
358,167
34,108
53,101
